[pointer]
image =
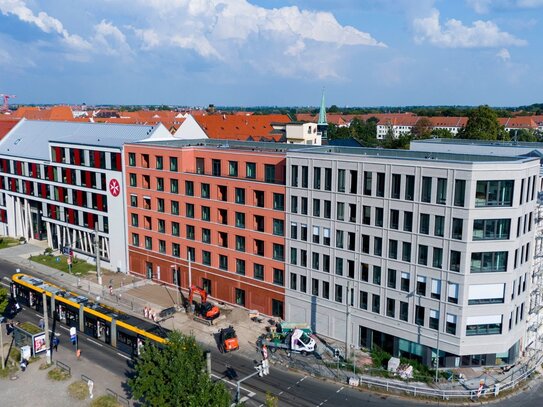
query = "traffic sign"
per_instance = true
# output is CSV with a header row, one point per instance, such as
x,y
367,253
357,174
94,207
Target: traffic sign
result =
x,y
66,250
73,334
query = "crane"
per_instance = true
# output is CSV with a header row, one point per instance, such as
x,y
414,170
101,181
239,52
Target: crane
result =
x,y
5,105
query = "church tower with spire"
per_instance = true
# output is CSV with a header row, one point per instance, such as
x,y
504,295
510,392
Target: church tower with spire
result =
x,y
322,125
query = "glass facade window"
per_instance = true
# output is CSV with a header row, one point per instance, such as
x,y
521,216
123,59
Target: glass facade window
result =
x,y
279,202
396,186
439,226
189,188
250,170
173,164
424,226
459,192
494,193
258,271
491,229
269,173
489,262
341,181
409,187
233,168
426,189
484,329
441,196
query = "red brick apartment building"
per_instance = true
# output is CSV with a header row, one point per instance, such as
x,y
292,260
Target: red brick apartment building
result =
x,y
224,208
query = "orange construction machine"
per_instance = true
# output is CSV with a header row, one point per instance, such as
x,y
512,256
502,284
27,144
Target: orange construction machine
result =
x,y
202,309
228,340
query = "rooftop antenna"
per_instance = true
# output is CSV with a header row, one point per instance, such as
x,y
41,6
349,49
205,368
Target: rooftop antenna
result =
x,y
5,105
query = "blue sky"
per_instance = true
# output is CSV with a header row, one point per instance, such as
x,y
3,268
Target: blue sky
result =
x,y
272,52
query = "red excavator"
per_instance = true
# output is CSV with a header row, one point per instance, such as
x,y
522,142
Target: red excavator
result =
x,y
203,309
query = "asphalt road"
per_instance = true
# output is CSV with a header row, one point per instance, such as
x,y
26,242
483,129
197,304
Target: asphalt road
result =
x,y
292,389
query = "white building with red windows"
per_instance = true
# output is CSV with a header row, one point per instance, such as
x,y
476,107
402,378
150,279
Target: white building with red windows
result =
x,y
61,182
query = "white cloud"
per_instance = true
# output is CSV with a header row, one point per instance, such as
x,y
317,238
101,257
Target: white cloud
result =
x,y
454,34
504,54
43,21
485,6
109,39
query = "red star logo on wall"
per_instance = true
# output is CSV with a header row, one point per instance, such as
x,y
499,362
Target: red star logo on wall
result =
x,y
114,187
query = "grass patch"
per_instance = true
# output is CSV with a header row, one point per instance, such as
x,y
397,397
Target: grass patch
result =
x,y
30,328
15,354
79,267
7,372
58,374
45,366
78,390
8,242
105,401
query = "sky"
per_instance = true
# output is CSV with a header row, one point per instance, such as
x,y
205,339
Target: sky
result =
x,y
272,52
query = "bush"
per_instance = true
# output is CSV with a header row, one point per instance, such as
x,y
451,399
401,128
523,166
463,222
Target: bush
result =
x,y
58,374
78,390
105,401
48,251
379,357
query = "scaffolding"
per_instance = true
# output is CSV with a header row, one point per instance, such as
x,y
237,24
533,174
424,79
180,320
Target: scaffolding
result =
x,y
535,314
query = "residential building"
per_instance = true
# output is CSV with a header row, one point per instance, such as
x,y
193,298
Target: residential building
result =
x,y
420,254
62,182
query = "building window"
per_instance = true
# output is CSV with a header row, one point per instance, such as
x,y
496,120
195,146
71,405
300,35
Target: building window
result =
x,y
340,212
451,324
135,239
278,227
175,207
216,168
408,221
316,178
339,293
269,173
240,220
419,315
380,184
396,186
200,165
206,213
175,229
489,328
250,170
433,322
423,255
327,179
206,258
488,262
279,202
367,183
439,226
233,168
190,232
426,190
441,196
148,243
379,217
406,251
160,205
409,187
240,243
161,226
206,235
378,246
159,161
404,282
240,267
133,180
162,246
455,257
491,229
240,296
391,279
189,188
341,181
173,164
366,215
278,252
176,250
240,196
376,303
305,176
436,289
391,308
393,249
316,208
174,186
363,303
131,159
135,220
459,192
437,259
134,201
223,262
294,176
424,227
278,277
452,293
304,206
404,311
394,219
377,275
258,271
205,191
457,228
277,308
421,285
494,193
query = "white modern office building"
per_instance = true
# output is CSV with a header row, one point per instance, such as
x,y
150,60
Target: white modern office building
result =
x,y
62,182
421,254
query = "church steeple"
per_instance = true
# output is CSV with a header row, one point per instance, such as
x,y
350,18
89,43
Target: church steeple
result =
x,y
322,125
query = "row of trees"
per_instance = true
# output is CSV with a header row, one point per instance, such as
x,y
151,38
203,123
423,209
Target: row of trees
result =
x,y
482,124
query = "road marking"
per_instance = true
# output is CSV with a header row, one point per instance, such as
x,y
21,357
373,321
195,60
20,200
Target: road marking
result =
x,y
223,379
340,390
38,315
4,284
280,393
124,356
244,399
302,379
251,394
96,343
63,327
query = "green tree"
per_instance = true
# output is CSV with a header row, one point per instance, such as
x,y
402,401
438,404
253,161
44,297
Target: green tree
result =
x,y
441,133
175,376
4,299
523,135
422,128
483,125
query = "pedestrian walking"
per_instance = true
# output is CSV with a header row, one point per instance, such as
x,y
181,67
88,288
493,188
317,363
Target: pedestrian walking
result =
x,y
78,354
146,312
110,289
41,324
56,341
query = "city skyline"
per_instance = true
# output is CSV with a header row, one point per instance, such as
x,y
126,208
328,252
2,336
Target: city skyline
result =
x,y
264,52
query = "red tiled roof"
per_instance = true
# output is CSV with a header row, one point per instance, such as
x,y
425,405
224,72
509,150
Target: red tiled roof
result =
x,y
234,127
448,121
519,122
61,113
6,125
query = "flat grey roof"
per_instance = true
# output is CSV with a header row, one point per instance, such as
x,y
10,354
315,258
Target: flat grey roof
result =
x,y
31,138
493,143
270,147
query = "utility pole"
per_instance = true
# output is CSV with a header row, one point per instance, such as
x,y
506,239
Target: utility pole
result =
x,y
2,346
190,270
46,322
97,252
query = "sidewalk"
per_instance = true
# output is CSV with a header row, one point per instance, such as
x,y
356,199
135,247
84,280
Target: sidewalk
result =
x,y
132,294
